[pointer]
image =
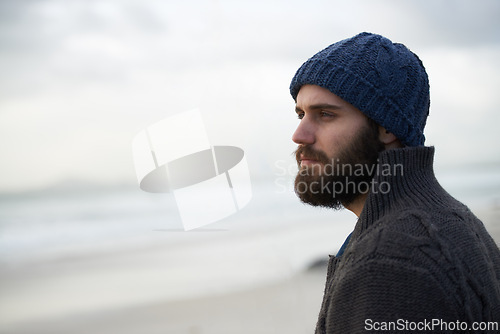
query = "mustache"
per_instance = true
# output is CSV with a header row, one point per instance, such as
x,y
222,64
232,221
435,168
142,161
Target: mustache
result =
x,y
311,153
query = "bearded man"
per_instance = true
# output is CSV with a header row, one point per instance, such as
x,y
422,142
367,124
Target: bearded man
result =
x,y
417,259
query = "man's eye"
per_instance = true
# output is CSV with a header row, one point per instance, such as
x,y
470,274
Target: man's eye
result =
x,y
300,115
326,114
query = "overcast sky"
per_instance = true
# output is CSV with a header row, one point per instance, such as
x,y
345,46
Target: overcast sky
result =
x,y
80,78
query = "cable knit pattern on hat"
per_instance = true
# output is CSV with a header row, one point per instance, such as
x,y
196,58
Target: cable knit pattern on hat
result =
x,y
385,80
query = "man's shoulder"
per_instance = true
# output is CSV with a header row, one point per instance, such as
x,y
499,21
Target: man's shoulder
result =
x,y
440,240
427,225
421,234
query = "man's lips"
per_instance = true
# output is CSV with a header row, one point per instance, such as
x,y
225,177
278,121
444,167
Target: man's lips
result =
x,y
305,161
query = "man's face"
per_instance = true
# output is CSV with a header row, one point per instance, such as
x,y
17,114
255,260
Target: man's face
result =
x,y
338,147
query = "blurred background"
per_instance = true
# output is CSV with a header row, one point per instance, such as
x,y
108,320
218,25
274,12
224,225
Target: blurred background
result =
x,y
84,250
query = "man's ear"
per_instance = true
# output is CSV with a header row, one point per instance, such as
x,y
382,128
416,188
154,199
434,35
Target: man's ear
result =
x,y
388,138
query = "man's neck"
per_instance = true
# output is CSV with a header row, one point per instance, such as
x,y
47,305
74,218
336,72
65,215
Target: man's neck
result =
x,y
357,205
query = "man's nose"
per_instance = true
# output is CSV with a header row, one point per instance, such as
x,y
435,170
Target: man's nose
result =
x,y
304,134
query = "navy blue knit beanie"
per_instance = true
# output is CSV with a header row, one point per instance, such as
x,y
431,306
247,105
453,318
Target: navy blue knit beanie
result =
x,y
384,80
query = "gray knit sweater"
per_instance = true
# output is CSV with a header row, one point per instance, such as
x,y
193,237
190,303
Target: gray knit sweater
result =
x,y
416,257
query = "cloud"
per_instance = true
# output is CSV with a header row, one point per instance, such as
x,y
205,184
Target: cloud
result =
x,y
84,76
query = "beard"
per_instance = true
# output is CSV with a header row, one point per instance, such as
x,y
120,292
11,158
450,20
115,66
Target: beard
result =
x,y
338,181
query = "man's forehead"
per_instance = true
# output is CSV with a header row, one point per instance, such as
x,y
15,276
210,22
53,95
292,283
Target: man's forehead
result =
x,y
312,94
312,97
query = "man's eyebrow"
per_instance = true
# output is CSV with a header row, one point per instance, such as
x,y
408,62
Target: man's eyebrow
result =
x,y
319,106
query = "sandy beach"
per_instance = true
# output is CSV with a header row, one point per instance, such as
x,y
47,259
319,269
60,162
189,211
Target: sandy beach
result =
x,y
282,307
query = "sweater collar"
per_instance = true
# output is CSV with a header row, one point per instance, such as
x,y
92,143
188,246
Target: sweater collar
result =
x,y
404,176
